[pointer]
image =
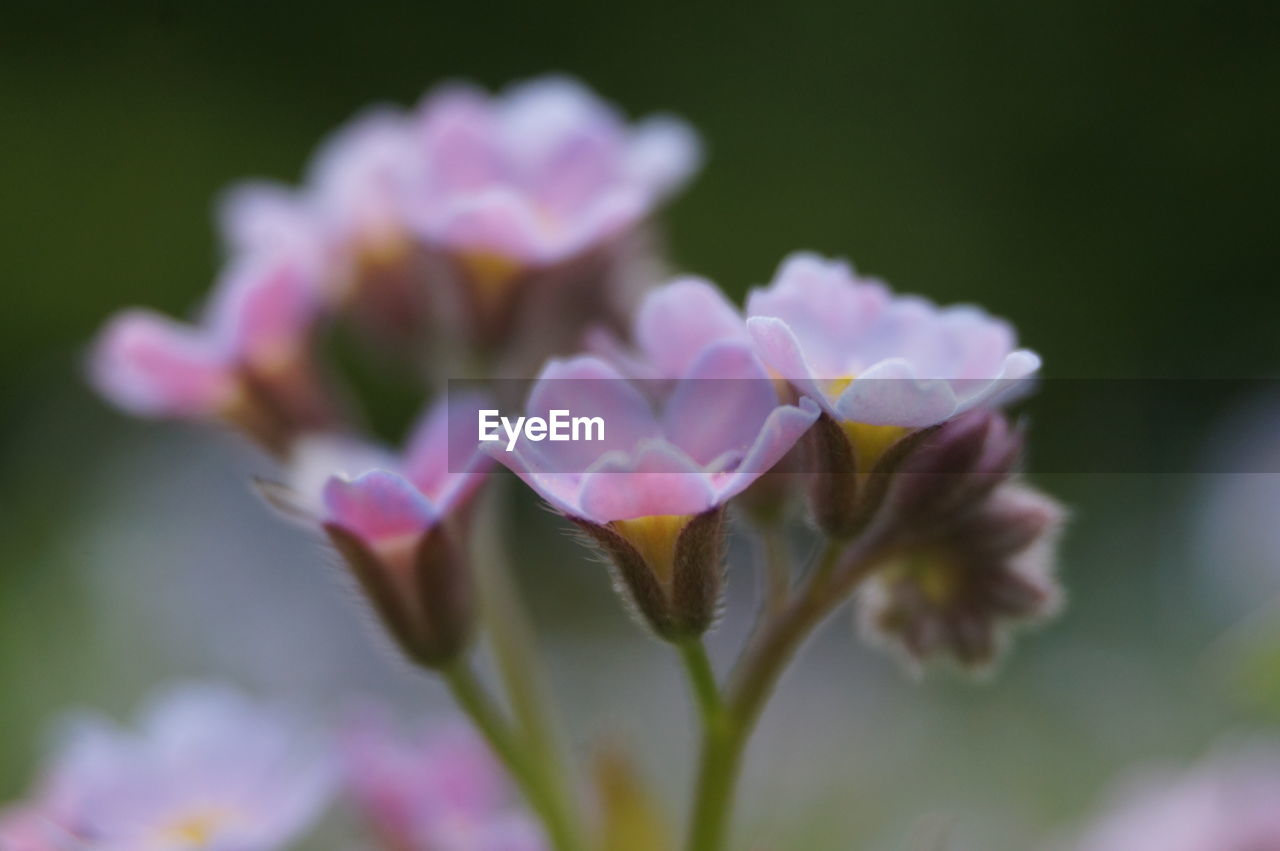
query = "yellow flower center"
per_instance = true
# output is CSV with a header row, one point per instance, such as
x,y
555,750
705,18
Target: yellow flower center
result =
x,y
935,577
655,537
870,442
196,829
491,274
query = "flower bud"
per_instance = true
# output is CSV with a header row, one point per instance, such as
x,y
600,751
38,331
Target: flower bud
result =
x,y
670,568
952,469
953,590
409,567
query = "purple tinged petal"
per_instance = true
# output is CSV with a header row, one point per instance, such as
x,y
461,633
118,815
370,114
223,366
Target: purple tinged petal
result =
x,y
588,387
543,118
456,134
825,306
263,309
663,153
678,321
150,365
443,457
893,393
720,404
494,221
560,490
378,507
315,459
266,216
361,175
780,350
780,432
659,479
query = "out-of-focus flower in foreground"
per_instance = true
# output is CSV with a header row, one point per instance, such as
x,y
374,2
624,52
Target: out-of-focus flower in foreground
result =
x,y
26,827
248,362
1231,802
207,769
881,367
400,522
652,492
438,789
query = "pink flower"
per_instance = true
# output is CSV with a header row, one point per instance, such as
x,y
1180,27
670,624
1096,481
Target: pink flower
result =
x,y
208,768
438,789
674,324
27,827
471,213
869,357
651,492
247,361
539,173
1229,803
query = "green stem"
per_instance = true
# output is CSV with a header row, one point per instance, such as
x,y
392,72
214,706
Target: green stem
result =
x,y
523,674
838,572
475,701
777,568
702,679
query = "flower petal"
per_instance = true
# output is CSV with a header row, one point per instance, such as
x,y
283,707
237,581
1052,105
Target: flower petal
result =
x,y
720,404
378,506
150,365
677,321
659,479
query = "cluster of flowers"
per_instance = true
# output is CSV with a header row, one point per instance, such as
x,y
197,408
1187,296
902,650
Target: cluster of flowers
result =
x,y
209,767
475,236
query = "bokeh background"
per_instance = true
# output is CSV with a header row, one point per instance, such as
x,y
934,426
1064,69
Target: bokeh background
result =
x,y
1104,174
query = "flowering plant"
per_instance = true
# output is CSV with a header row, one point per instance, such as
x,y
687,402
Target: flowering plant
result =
x,y
484,238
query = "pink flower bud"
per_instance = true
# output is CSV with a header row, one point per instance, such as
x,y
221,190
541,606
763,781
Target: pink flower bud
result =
x,y
399,524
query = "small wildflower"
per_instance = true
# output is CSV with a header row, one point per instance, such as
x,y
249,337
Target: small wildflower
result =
x,y
207,769
880,366
651,494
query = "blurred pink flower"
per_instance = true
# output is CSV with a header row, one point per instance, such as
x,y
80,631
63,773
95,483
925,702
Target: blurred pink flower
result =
x,y
437,790
26,827
457,209
208,768
867,356
539,173
247,361
1231,802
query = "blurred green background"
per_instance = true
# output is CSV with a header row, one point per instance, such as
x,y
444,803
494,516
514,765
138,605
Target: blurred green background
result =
x,y
1104,174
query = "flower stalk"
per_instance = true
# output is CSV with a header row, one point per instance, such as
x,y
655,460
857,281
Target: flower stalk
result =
x,y
474,700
